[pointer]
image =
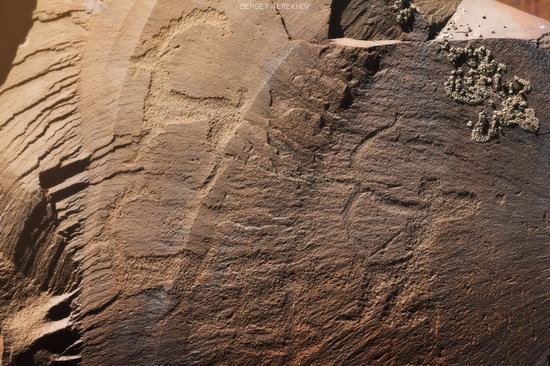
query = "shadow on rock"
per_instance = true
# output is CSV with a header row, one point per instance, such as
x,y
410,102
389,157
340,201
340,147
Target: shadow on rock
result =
x,y
15,23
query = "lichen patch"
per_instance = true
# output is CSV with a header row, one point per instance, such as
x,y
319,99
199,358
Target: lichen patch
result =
x,y
405,10
478,80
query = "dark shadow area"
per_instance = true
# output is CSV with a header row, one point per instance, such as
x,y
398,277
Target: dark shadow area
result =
x,y
15,23
367,20
50,348
337,9
54,176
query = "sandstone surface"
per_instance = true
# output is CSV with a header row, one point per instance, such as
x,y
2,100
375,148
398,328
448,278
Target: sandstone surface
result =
x,y
194,182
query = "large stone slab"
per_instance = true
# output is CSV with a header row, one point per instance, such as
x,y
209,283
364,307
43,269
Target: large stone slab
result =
x,y
202,182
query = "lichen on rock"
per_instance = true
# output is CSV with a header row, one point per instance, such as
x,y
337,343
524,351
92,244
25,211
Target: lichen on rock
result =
x,y
515,110
485,129
405,11
478,79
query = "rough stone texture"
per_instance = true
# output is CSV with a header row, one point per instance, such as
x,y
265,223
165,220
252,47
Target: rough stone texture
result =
x,y
192,183
376,19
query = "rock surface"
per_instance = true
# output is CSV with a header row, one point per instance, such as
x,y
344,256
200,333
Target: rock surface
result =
x,y
539,8
198,183
491,19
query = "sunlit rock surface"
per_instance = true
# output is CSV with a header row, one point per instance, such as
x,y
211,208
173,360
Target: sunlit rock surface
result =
x,y
202,183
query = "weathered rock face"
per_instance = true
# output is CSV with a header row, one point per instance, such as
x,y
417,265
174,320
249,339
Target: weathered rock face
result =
x,y
376,19
197,182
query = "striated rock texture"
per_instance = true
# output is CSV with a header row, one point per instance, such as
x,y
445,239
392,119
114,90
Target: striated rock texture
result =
x,y
203,183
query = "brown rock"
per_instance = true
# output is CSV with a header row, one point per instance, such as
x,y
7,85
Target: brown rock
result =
x,y
197,184
376,19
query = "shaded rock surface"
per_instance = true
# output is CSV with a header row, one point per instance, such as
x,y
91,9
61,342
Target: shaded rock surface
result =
x,y
195,183
376,19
